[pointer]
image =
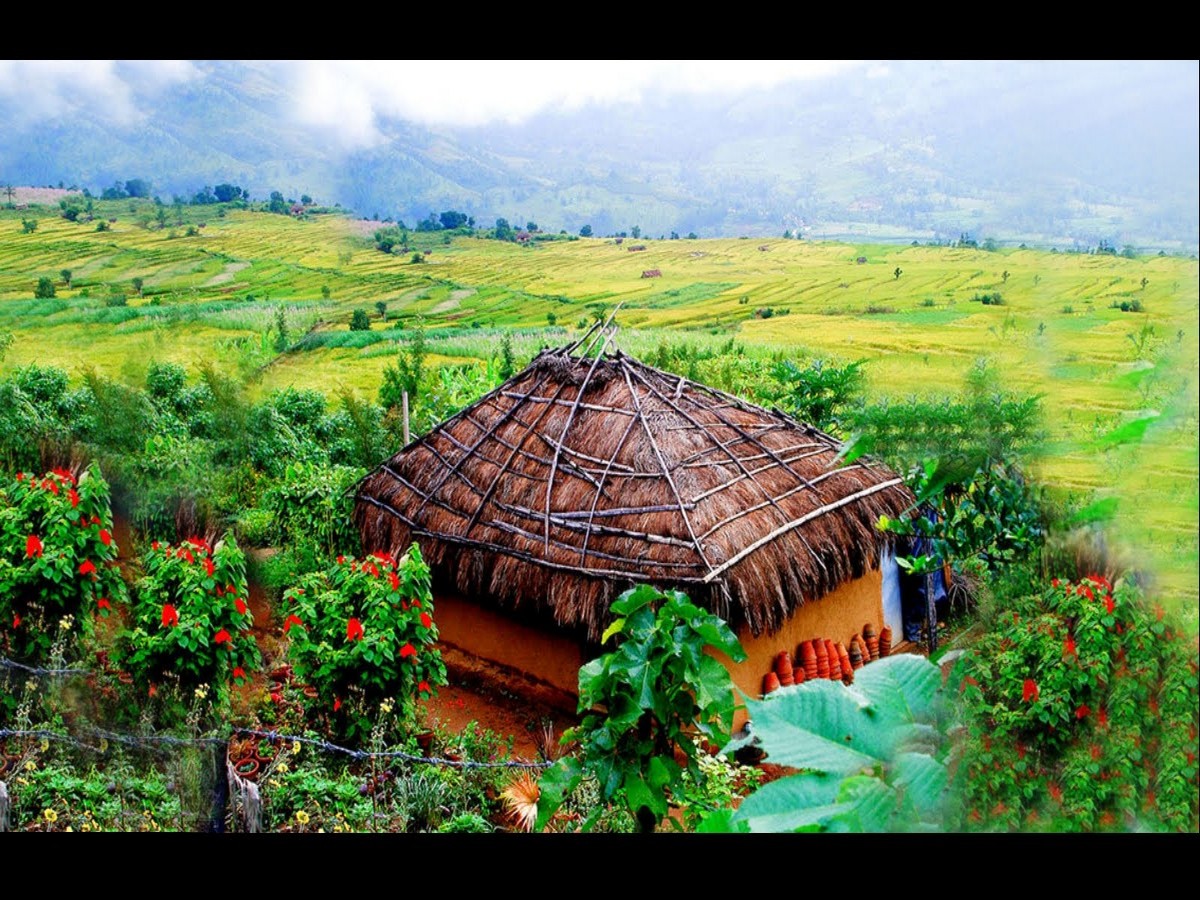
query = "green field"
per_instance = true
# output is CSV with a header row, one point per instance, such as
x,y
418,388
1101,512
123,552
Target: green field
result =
x,y
1119,388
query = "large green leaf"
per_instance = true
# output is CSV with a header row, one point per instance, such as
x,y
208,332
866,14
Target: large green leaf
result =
x,y
790,803
923,780
820,725
555,784
903,688
869,804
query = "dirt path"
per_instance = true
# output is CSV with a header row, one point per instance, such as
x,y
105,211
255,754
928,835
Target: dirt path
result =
x,y
226,274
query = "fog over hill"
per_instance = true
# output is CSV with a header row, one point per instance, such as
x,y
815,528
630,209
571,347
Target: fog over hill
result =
x,y
1060,153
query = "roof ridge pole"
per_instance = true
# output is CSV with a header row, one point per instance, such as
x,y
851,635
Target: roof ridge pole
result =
x,y
666,472
567,348
469,453
737,462
796,523
508,462
567,427
600,489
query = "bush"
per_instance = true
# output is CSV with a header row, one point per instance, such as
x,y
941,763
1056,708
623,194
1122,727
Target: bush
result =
x,y
44,289
362,633
57,558
311,506
1081,710
190,620
360,321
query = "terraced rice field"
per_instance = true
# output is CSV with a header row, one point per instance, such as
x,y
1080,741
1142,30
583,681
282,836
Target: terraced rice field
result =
x,y
1119,388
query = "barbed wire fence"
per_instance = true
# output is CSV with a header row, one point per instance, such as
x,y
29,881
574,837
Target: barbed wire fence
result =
x,y
207,769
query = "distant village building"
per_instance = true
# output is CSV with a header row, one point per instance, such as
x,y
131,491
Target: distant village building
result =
x,y
652,273
637,247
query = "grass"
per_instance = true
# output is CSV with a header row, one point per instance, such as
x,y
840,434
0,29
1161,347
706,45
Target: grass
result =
x,y
1120,402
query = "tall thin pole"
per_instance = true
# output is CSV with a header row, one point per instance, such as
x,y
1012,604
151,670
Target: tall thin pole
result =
x,y
404,398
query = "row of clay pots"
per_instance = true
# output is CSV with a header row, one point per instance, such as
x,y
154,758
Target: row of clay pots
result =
x,y
824,658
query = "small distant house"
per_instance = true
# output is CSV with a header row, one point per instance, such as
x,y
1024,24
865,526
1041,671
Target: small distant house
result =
x,y
620,240
861,260
652,273
523,237
637,247
763,247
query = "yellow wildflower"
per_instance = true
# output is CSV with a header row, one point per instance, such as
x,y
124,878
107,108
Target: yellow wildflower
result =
x,y
302,817
49,815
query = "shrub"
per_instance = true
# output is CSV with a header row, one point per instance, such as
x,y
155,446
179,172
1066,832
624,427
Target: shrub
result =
x,y
190,620
360,321
44,289
57,558
311,506
1081,709
362,633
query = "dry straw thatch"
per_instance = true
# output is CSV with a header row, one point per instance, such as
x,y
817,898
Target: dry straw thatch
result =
x,y
589,472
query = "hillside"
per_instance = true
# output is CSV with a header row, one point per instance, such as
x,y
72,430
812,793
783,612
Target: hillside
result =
x,y
1119,387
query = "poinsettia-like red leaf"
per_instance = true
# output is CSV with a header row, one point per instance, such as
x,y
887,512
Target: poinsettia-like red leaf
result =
x,y
87,567
105,537
208,566
1108,603
423,687
408,650
1069,646
291,620
1082,711
239,672
395,580
103,603
354,630
1030,691
222,637
426,620
240,605
170,615
33,546
337,704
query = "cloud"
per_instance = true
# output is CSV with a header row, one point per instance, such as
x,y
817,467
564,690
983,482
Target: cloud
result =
x,y
348,98
37,90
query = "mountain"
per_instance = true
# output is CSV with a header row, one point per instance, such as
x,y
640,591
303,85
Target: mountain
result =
x,y
1065,153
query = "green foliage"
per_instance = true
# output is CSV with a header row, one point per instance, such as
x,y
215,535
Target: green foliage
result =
x,y
190,621
648,698
870,755
362,633
44,289
405,374
360,321
57,558
818,394
1081,708
311,505
29,226
281,330
507,364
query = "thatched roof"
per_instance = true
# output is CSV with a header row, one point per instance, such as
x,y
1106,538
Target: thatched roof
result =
x,y
588,473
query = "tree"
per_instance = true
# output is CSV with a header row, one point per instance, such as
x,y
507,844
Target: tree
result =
x,y
898,273
531,227
359,321
226,192
645,704
66,276
29,226
1004,276
404,376
278,204
504,231
137,187
44,289
306,199
635,232
381,307
417,258
281,330
9,191
160,216
138,282
1145,281
507,364
585,231
551,319
452,219
325,292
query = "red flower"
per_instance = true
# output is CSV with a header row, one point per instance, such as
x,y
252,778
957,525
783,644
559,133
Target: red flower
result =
x,y
95,519
1054,582
33,546
154,545
1108,603
74,495
64,474
199,543
240,604
187,554
20,476
416,604
1031,691
1056,792
291,620
238,672
170,616
208,566
337,704
408,650
229,589
341,559
962,685
1081,711
354,630
424,687
1096,751
1102,717
426,620
222,637
394,580
103,603
105,537
86,567
1069,646
153,690
16,621
51,486
383,557
1159,612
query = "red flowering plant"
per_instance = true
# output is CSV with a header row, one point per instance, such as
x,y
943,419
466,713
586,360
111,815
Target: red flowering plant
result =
x,y
191,620
1081,714
57,558
362,633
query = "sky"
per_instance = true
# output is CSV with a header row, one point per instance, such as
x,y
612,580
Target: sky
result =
x,y
349,97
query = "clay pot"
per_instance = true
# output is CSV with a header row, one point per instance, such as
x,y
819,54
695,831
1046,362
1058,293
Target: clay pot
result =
x,y
872,640
835,664
856,660
310,692
786,680
822,658
770,683
844,659
862,649
425,741
783,665
247,768
798,676
808,657
885,640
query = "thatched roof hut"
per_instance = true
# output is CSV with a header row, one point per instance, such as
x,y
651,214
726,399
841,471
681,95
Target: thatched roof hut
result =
x,y
588,473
